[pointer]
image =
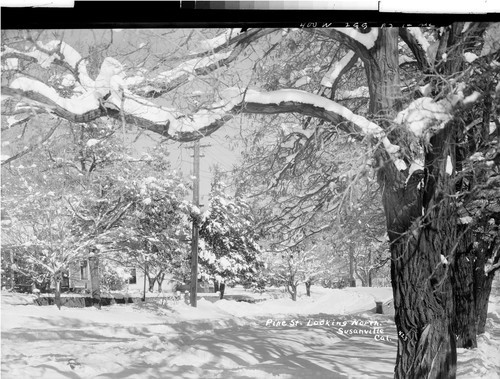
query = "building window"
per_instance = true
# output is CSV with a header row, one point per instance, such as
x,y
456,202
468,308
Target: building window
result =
x,y
133,277
84,275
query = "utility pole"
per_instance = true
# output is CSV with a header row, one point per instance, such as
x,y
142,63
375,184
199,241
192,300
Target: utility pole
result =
x,y
194,240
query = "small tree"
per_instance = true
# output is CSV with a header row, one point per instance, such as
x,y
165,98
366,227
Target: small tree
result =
x,y
148,224
368,260
42,239
294,266
230,250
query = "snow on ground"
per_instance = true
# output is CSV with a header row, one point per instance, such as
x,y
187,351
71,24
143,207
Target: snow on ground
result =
x,y
484,361
333,334
329,301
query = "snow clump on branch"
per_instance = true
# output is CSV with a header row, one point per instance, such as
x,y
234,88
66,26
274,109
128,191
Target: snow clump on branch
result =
x,y
366,127
366,39
336,69
220,40
422,114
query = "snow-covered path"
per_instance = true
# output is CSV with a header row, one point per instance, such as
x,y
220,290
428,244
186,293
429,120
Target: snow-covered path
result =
x,y
46,347
300,353
275,339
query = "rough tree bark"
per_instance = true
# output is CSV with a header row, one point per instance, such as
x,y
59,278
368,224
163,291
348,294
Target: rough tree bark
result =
x,y
426,347
482,287
420,280
471,285
472,288
483,281
462,280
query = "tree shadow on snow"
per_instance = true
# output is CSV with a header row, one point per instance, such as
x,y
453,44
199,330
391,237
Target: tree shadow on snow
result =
x,y
257,351
232,348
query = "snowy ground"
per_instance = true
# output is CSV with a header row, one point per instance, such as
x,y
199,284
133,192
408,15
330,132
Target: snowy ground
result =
x,y
333,334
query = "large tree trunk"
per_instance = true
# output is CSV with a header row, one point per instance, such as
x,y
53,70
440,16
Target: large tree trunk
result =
x,y
471,287
426,344
462,279
483,283
382,71
421,288
421,281
482,291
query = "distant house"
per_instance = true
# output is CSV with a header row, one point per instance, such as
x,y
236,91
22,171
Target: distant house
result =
x,y
169,284
76,279
78,276
136,282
